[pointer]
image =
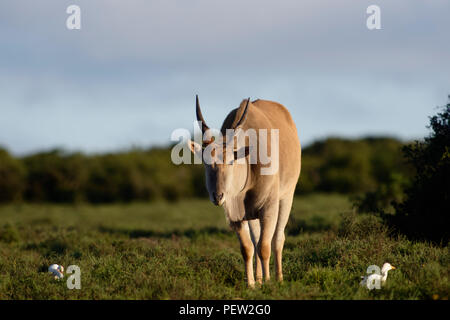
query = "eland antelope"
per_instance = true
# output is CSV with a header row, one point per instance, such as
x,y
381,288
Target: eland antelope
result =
x,y
257,205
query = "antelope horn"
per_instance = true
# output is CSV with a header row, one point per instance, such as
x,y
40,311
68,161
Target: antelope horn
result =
x,y
243,117
200,116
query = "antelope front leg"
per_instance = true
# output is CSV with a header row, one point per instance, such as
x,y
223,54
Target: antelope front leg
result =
x,y
255,232
247,249
268,224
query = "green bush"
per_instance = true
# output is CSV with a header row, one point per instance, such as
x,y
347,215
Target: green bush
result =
x,y
382,200
425,211
55,176
138,175
352,166
12,177
332,165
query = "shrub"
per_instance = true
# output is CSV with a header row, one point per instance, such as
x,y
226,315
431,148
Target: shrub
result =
x,y
12,177
425,211
382,200
352,166
331,165
55,176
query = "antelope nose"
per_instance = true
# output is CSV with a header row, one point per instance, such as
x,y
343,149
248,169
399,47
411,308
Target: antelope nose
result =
x,y
217,197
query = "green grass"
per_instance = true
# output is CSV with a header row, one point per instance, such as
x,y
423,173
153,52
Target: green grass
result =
x,y
185,250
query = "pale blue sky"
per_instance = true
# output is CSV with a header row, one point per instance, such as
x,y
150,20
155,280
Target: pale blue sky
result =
x,y
130,75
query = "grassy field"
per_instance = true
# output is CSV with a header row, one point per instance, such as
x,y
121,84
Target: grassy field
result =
x,y
185,250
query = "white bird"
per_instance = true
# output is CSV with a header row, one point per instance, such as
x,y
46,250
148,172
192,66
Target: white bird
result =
x,y
57,270
377,277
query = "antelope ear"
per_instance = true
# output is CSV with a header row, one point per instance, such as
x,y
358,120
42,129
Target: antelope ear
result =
x,y
241,153
195,147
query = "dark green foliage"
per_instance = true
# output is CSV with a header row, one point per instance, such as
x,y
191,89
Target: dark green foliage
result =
x,y
332,165
122,177
382,199
425,211
55,176
12,177
61,177
353,166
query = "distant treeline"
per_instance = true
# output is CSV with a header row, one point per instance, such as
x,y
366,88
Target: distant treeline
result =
x,y
331,165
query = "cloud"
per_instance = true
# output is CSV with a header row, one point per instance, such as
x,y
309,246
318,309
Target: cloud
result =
x,y
130,75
